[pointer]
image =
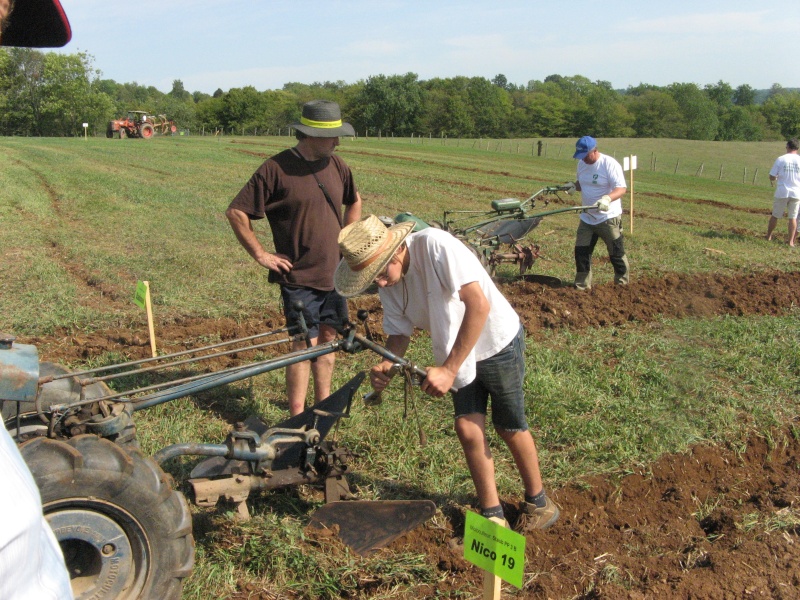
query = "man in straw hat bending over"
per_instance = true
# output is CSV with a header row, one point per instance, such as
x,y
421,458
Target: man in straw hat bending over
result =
x,y
302,191
432,281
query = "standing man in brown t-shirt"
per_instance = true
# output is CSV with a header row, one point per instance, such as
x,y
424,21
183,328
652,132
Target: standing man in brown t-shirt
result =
x,y
302,191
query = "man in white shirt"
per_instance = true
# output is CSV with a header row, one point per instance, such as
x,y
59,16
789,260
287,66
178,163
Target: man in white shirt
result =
x,y
430,280
786,171
601,181
31,563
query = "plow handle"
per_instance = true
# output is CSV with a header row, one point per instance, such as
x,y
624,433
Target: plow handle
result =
x,y
398,361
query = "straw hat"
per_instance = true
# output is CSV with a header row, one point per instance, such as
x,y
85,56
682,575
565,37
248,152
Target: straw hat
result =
x,y
36,24
323,119
367,246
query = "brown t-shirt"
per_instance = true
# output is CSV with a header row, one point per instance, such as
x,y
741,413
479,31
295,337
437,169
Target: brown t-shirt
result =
x,y
304,226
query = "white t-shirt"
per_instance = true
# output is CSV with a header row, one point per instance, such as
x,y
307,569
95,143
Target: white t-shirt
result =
x,y
787,170
427,298
31,563
596,181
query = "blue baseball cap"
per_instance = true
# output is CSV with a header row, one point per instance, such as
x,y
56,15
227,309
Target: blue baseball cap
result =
x,y
583,146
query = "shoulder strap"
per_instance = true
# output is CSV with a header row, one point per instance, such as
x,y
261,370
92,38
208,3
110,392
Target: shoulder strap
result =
x,y
321,187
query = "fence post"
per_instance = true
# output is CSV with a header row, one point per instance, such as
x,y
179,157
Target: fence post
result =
x,y
744,175
677,162
700,170
720,172
755,175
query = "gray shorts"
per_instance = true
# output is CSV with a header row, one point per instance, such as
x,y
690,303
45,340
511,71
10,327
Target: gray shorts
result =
x,y
500,377
791,206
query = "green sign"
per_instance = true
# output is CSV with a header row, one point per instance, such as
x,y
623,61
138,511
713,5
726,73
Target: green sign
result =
x,y
141,294
494,548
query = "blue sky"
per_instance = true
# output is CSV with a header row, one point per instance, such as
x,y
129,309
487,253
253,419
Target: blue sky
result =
x,y
210,44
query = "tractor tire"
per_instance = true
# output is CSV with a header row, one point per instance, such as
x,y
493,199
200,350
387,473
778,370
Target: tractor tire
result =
x,y
147,131
110,132
124,531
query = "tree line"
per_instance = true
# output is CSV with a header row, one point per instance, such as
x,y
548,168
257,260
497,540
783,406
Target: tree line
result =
x,y
49,94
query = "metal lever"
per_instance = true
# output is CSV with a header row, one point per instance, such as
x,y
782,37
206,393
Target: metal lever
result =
x,y
373,398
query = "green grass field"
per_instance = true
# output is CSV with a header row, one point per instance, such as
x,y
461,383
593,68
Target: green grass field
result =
x,y
85,219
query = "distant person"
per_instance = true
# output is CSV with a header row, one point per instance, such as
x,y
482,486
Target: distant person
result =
x,y
31,562
601,181
307,194
786,171
431,281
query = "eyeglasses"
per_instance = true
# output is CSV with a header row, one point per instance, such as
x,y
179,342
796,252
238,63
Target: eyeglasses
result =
x,y
383,275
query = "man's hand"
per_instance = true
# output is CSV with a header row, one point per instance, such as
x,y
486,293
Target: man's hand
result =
x,y
604,203
438,381
380,375
569,187
274,262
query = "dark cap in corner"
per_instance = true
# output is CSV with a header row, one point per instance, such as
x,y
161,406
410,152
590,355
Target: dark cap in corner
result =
x,y
36,24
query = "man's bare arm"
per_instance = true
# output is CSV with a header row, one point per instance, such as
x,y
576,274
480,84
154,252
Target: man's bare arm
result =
x,y
243,228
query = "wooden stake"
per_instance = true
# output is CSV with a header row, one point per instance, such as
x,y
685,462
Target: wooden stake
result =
x,y
492,584
150,328
631,195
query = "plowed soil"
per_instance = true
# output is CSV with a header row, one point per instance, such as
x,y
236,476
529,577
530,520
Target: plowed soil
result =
x,y
672,531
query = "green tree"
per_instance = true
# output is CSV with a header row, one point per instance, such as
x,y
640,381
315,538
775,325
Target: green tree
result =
x,y
543,115
178,92
655,114
744,123
390,104
698,112
782,112
744,95
446,109
605,114
489,106
720,94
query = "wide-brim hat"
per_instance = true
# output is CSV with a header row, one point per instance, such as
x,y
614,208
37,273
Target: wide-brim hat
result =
x,y
323,119
367,246
36,24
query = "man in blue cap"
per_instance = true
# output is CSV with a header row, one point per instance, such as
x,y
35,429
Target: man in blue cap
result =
x,y
601,181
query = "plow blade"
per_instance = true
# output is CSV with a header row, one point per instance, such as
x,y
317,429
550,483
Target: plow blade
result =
x,y
509,232
368,525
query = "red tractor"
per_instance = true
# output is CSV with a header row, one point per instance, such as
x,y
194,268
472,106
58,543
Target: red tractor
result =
x,y
138,124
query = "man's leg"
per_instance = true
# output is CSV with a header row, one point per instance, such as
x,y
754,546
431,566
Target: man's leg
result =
x,y
585,240
792,231
297,375
611,233
523,449
297,380
771,227
322,368
471,434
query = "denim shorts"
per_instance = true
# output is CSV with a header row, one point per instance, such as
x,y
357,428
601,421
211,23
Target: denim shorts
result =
x,y
500,376
318,307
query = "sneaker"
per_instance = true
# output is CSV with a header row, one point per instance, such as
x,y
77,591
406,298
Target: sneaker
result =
x,y
530,517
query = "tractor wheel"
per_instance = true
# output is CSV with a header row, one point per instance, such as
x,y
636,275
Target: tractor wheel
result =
x,y
110,132
147,131
124,531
